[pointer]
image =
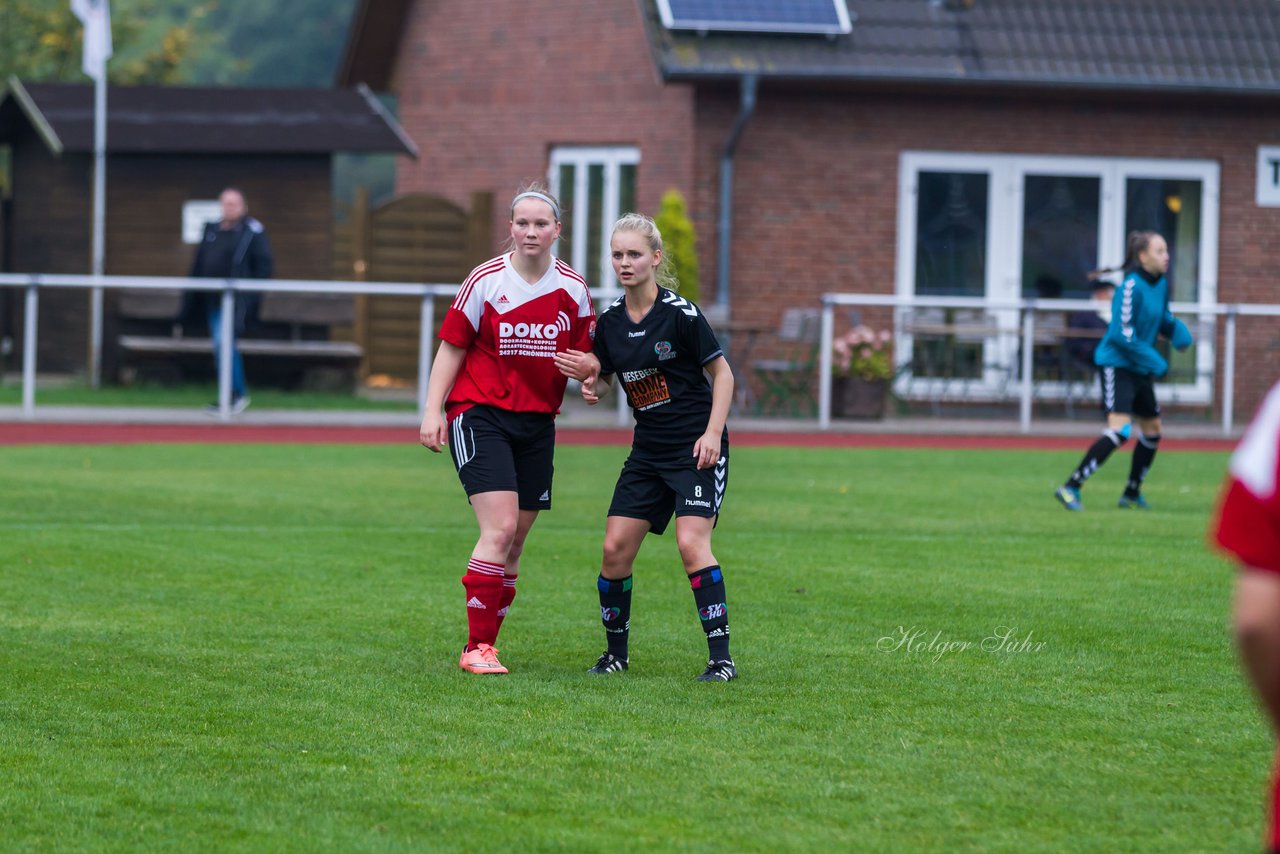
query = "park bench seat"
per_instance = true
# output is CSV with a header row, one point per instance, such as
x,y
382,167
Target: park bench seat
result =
x,y
290,328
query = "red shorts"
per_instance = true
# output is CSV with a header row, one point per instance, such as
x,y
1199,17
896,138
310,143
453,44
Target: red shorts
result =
x,y
1248,528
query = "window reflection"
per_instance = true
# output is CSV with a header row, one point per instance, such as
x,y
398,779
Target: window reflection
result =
x,y
1171,207
1059,235
951,234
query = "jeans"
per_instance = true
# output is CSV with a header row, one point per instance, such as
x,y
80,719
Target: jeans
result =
x,y
238,386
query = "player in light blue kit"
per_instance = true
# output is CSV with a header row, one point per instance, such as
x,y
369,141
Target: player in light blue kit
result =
x,y
1130,364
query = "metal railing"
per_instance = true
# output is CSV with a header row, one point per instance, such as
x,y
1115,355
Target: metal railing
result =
x,y
33,283
1026,310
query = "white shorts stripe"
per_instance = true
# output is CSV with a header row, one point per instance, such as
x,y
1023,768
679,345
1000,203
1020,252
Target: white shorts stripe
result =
x,y
721,471
461,453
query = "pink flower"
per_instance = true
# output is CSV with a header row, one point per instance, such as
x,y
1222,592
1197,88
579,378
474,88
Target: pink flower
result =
x,y
863,352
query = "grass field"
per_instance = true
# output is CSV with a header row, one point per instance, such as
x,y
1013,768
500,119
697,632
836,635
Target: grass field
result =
x,y
254,648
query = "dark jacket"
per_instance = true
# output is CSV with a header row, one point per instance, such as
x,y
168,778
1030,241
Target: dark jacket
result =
x,y
250,260
1082,347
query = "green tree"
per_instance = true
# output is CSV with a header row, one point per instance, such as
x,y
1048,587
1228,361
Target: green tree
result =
x,y
679,242
275,43
41,40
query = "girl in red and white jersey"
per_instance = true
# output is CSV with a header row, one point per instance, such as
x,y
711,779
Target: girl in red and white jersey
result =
x,y
496,380
1247,525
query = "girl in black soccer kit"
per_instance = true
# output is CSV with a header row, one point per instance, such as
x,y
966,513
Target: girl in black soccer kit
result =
x,y
659,344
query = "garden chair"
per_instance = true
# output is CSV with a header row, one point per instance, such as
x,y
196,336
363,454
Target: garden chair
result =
x,y
787,382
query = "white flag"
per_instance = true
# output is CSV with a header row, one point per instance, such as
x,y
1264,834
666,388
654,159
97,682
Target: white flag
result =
x,y
96,18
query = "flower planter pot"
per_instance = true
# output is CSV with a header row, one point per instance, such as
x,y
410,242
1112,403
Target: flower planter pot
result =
x,y
853,397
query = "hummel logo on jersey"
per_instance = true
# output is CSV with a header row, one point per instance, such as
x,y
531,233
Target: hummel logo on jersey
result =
x,y
639,334
474,602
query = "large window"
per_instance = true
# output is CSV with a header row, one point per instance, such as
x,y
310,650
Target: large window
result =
x,y
595,186
1059,235
1000,227
951,234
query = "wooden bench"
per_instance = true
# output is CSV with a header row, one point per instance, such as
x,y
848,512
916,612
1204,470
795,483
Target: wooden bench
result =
x,y
293,322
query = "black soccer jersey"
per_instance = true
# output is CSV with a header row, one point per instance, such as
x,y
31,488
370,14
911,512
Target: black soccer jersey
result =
x,y
660,361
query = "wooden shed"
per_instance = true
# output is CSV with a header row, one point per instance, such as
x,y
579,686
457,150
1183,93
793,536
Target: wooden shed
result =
x,y
169,150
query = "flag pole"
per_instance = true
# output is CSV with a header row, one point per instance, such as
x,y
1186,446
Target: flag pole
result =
x,y
95,15
99,223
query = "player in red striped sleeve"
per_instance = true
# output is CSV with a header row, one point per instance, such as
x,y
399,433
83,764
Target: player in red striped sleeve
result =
x,y
1248,526
496,379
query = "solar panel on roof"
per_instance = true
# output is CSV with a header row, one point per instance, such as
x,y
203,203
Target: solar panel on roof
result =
x,y
830,17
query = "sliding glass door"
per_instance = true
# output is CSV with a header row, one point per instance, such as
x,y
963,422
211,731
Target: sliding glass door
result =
x,y
1003,227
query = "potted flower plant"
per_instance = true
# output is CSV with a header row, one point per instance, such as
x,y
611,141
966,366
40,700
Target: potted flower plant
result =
x,y
862,365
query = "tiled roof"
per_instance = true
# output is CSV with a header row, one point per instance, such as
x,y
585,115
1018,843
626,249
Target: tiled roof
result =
x,y
185,119
1186,45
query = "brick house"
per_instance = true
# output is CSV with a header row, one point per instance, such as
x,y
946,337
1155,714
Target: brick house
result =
x,y
948,148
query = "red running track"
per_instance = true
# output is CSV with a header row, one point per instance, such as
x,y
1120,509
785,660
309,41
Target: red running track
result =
x,y
134,434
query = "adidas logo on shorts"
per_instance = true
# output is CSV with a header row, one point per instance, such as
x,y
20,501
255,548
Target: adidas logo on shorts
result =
x,y
474,602
546,496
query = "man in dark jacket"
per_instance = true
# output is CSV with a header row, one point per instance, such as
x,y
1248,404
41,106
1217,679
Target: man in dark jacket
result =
x,y
1088,327
235,248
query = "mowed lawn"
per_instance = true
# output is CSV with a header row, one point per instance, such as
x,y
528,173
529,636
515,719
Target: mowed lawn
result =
x,y
254,648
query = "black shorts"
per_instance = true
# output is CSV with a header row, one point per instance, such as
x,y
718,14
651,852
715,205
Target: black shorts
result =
x,y
1127,393
653,489
499,451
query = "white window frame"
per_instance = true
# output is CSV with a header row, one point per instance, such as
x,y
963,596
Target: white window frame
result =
x,y
581,157
1006,175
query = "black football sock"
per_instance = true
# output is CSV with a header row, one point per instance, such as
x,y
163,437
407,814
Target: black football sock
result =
x,y
615,613
1096,456
708,594
1143,455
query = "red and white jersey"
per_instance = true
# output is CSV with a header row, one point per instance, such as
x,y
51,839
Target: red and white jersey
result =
x,y
1249,518
510,330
